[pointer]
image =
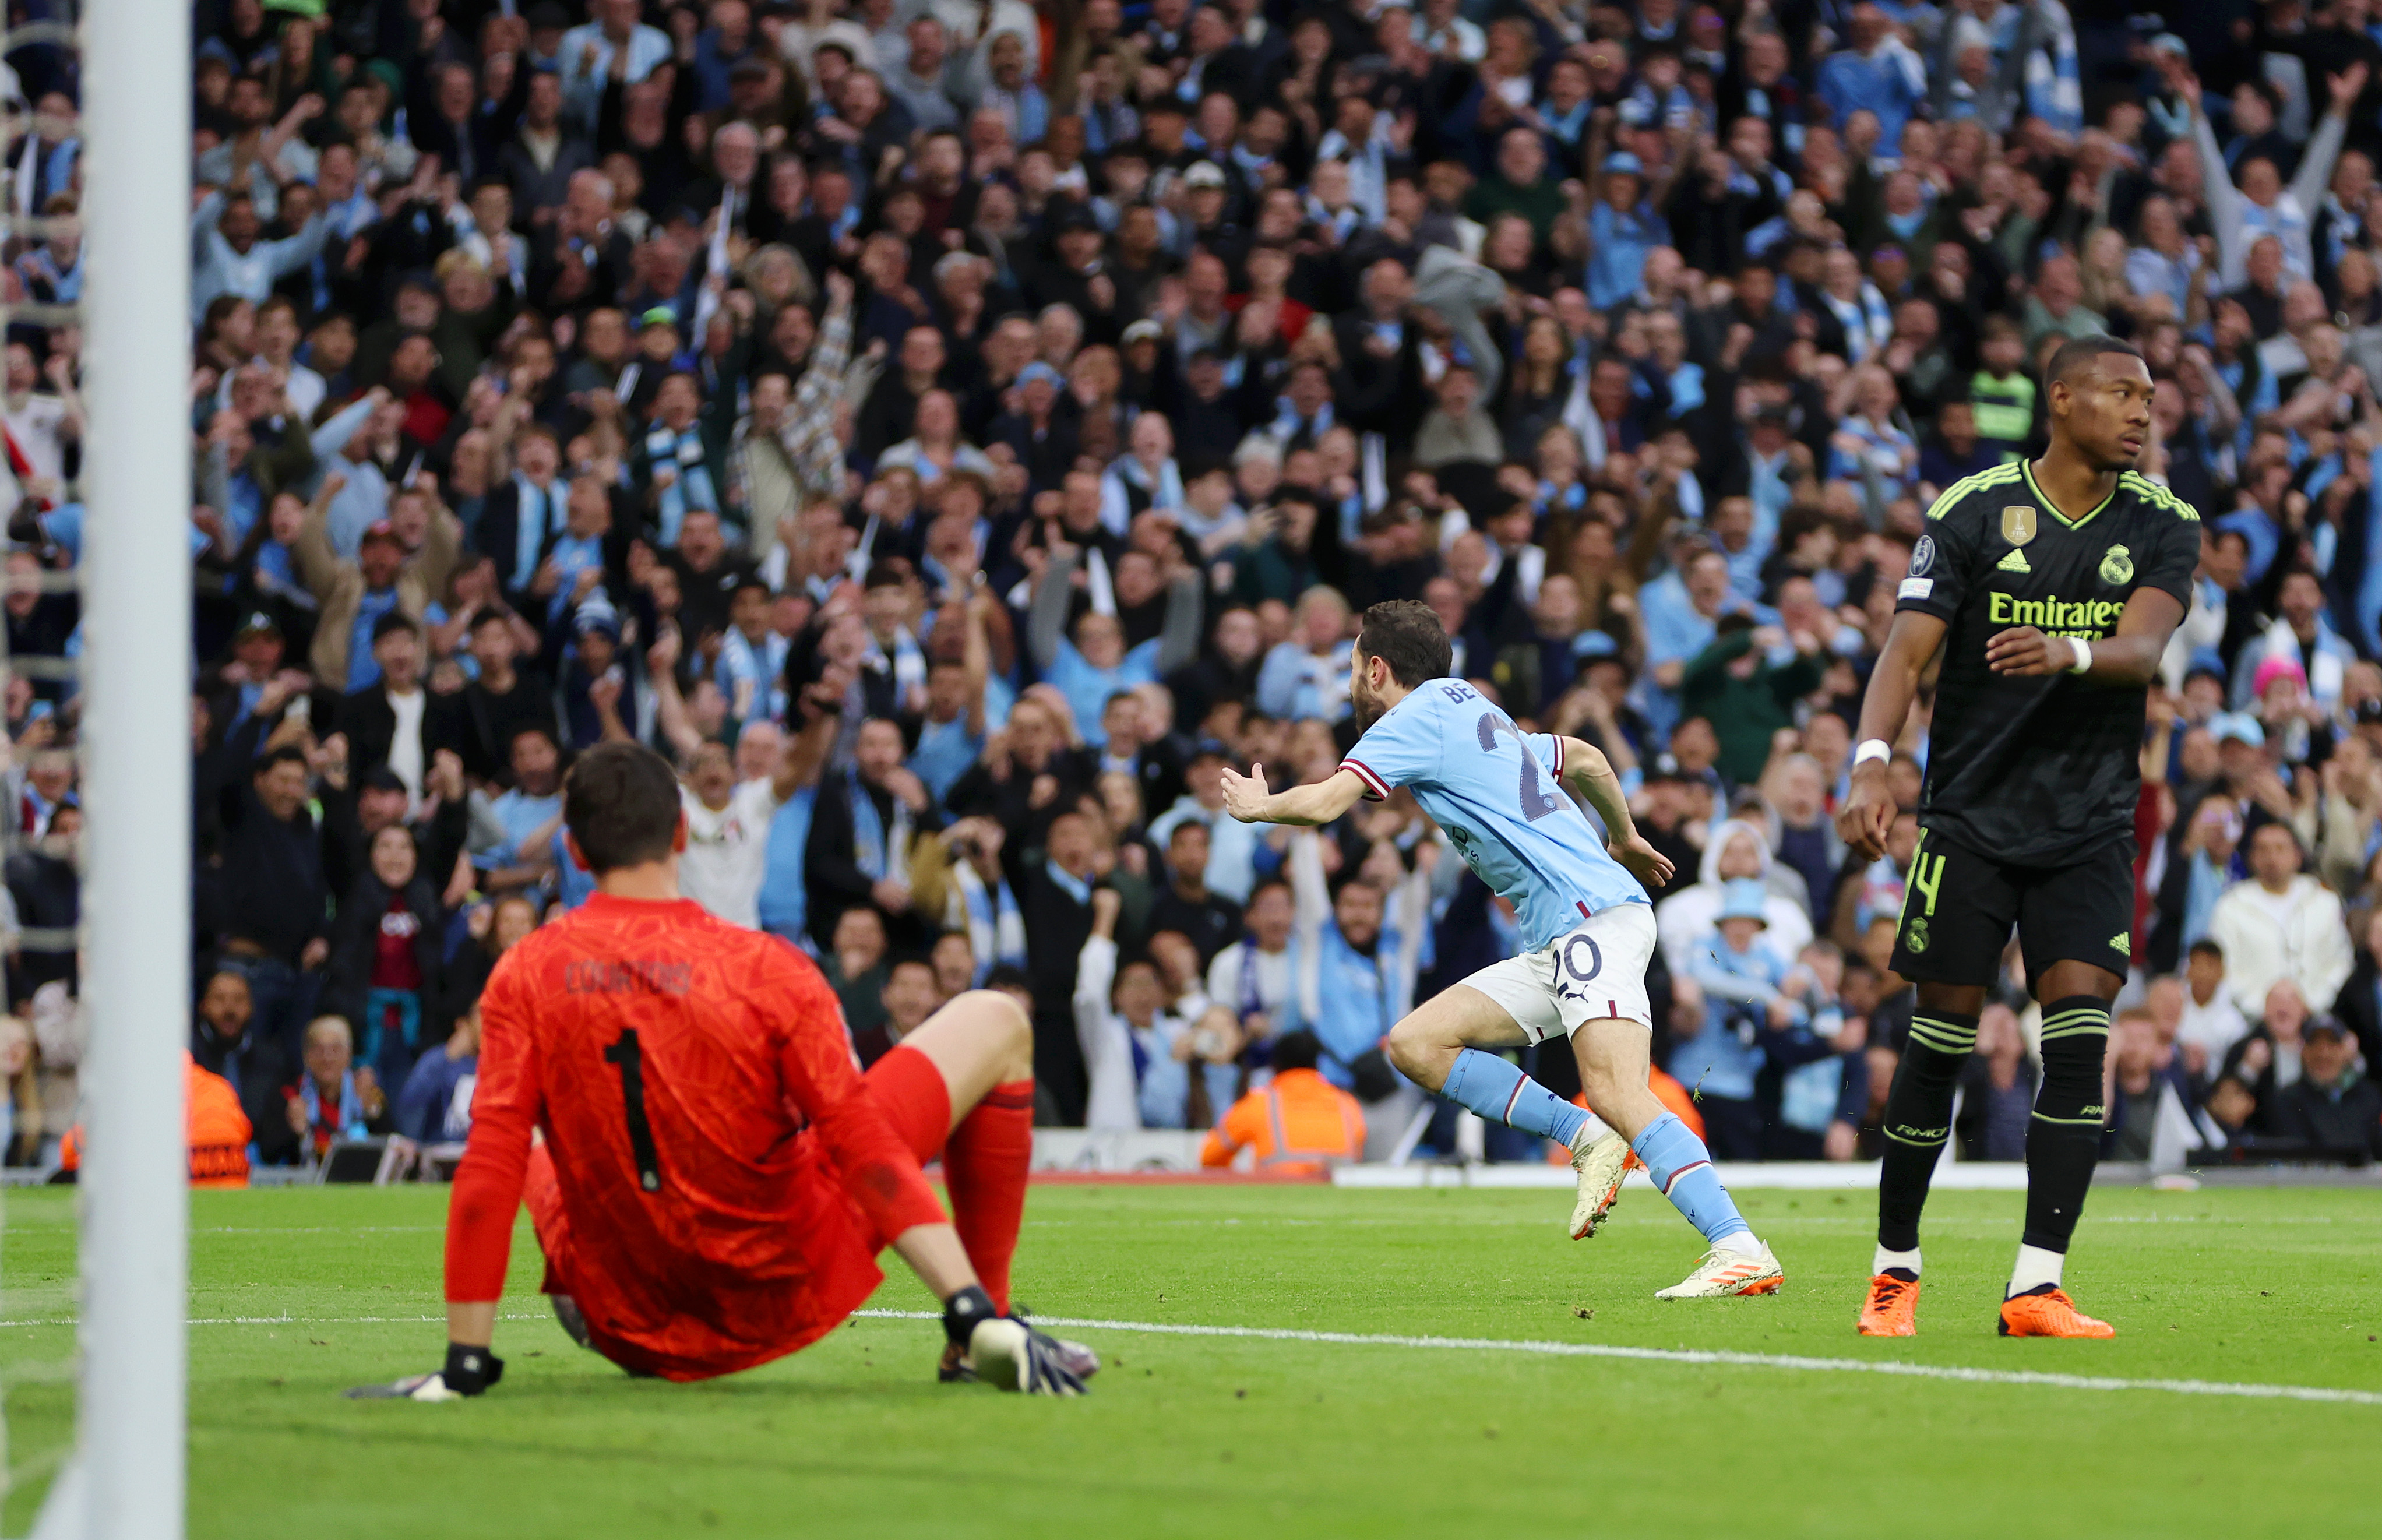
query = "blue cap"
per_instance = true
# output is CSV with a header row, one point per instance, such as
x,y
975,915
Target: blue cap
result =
x,y
1622,160
595,613
1746,898
2239,726
2207,660
1040,373
1594,644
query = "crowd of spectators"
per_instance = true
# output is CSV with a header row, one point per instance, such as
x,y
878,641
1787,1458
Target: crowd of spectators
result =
x,y
953,431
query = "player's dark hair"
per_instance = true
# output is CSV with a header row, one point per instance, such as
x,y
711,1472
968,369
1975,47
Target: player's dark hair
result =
x,y
1295,1051
620,803
1407,637
2077,352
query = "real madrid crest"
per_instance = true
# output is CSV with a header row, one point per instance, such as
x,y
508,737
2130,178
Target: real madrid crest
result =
x,y
2118,565
2018,523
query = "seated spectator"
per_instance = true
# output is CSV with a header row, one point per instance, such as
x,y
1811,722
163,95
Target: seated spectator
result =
x,y
1742,978
2280,924
2267,1061
2211,1022
2332,1110
1307,674
1997,1089
855,967
436,1105
1735,851
1298,1123
335,1098
910,995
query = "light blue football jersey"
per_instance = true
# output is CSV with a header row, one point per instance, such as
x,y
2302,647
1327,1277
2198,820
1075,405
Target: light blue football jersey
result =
x,y
1495,789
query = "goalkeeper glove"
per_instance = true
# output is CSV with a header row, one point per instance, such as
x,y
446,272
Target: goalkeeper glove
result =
x,y
469,1372
1005,1352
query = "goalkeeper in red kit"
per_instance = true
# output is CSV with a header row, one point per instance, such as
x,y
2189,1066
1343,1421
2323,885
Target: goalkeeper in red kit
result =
x,y
716,1176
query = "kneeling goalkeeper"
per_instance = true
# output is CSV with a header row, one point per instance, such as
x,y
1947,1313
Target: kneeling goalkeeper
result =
x,y
715,1174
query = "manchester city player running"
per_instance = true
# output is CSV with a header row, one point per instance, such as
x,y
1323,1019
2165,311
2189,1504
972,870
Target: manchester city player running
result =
x,y
1494,790
2049,589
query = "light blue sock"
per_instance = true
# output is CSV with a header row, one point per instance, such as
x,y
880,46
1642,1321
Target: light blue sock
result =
x,y
1501,1093
1682,1168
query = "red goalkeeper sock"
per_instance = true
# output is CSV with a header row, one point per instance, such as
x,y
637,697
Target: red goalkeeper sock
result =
x,y
984,1165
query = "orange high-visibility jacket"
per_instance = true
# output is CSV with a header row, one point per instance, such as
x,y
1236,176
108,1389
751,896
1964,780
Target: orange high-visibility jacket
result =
x,y
1298,1125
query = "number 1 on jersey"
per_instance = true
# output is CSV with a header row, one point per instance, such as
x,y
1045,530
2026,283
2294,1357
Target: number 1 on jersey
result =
x,y
630,1059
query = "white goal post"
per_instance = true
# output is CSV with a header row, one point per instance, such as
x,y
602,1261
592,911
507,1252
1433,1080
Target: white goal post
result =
x,y
126,1480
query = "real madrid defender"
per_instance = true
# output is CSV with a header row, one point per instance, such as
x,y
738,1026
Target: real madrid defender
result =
x,y
1497,792
2049,588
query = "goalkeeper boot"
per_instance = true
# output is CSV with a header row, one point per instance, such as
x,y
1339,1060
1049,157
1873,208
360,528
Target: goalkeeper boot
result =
x,y
2048,1311
573,1320
1723,1274
1598,1160
1891,1309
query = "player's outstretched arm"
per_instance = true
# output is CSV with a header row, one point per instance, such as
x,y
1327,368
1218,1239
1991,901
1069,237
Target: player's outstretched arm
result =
x,y
2129,659
1867,816
1245,798
1586,771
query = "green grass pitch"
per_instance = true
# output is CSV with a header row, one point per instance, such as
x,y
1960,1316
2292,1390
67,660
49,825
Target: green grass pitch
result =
x,y
1202,1436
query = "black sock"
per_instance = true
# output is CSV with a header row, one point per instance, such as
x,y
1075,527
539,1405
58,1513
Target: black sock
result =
x,y
2063,1139
1918,1121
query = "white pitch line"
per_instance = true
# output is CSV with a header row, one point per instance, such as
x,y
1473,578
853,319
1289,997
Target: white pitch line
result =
x,y
1701,1356
1691,1356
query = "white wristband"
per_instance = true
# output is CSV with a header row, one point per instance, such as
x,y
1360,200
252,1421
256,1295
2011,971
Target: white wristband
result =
x,y
2083,655
1872,748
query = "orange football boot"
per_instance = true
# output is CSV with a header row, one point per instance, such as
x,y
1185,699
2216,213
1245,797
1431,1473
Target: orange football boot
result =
x,y
2052,1314
1892,1310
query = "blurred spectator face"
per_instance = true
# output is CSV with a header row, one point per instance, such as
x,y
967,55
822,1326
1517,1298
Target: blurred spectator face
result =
x,y
1139,995
1101,640
226,1005
1322,619
1072,844
1271,916
2274,856
1120,796
2134,1048
399,656
514,918
910,995
1358,911
393,857
859,940
2285,1013
328,1050
1707,582
1121,719
877,752
1187,852
711,775
2231,1104
2325,1056
1521,157
953,960
1033,736
536,764
757,750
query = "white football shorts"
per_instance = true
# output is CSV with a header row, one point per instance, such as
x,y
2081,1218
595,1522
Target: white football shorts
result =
x,y
1596,970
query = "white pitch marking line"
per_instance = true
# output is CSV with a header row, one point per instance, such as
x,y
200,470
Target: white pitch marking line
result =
x,y
1498,1345
1697,1356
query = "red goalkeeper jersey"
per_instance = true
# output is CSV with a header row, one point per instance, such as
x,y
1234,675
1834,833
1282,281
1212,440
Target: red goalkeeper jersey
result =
x,y
725,1178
